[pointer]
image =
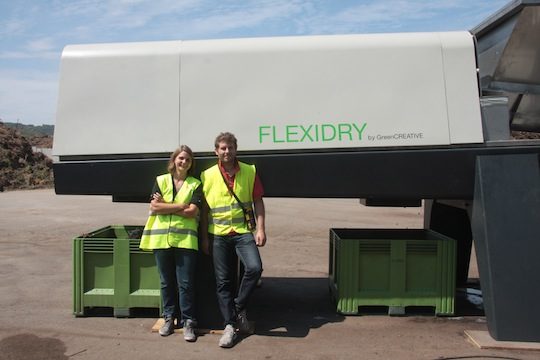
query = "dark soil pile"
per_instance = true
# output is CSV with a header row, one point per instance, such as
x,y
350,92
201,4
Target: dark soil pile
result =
x,y
20,167
44,141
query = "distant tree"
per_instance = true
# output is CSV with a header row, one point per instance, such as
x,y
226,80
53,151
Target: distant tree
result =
x,y
31,130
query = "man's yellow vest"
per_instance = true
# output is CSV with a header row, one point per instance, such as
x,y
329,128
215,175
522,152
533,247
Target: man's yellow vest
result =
x,y
225,214
166,231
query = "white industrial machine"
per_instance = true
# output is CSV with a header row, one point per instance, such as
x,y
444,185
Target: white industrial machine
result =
x,y
292,93
131,104
393,119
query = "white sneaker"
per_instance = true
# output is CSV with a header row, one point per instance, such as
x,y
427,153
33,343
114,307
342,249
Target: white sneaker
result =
x,y
228,337
168,326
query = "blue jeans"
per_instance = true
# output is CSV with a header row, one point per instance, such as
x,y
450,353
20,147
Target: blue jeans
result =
x,y
224,250
177,276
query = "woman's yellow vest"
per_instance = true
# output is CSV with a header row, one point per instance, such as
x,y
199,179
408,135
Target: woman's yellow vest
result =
x,y
166,231
225,214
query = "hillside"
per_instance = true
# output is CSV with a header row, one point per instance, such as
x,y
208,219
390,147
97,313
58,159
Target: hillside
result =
x,y
38,135
29,131
20,167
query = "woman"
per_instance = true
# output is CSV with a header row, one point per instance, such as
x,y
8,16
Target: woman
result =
x,y
171,233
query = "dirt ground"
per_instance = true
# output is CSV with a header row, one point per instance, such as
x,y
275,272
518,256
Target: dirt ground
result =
x,y
294,314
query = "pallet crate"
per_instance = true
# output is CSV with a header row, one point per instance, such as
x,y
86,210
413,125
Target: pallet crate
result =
x,y
397,268
109,270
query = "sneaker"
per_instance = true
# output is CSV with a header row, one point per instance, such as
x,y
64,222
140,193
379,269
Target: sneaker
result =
x,y
228,337
168,327
189,331
242,322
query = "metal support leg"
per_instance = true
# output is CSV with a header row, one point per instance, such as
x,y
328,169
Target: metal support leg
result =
x,y
506,230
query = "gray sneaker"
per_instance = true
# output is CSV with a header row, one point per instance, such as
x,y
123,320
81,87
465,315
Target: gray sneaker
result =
x,y
168,327
189,331
242,323
228,337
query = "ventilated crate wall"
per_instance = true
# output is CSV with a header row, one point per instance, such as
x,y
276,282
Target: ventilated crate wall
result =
x,y
395,268
109,270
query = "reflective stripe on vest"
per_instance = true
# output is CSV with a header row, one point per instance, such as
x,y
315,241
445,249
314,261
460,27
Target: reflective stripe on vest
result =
x,y
170,230
230,207
225,213
165,231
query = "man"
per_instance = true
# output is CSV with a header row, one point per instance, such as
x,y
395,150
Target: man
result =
x,y
224,185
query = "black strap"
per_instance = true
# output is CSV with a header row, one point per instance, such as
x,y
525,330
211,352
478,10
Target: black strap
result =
x,y
231,191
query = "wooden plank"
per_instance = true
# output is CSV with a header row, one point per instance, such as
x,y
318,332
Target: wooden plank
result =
x,y
160,322
483,340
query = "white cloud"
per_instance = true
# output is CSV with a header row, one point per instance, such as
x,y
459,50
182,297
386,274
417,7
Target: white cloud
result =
x,y
164,18
40,55
121,14
42,44
225,18
12,27
396,15
28,96
34,32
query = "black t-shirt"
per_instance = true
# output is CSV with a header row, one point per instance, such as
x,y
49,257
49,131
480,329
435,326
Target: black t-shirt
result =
x,y
196,198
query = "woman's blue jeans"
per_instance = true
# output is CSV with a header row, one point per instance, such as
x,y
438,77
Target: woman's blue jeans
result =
x,y
177,276
224,251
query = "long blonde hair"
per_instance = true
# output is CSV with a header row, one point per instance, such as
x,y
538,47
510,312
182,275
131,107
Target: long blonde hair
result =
x,y
171,167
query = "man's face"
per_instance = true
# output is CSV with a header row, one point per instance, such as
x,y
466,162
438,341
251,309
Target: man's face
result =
x,y
226,152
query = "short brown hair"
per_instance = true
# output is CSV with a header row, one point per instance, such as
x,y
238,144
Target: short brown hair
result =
x,y
226,137
171,166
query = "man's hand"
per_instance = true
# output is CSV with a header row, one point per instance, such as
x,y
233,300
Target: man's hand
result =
x,y
260,237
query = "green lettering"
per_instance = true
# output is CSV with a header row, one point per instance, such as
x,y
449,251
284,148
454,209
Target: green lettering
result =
x,y
342,131
311,133
261,134
306,133
289,132
274,138
361,130
324,133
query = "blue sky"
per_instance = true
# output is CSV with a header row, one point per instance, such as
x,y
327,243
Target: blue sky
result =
x,y
34,32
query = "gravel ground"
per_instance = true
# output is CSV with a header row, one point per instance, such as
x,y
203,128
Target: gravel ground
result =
x,y
294,314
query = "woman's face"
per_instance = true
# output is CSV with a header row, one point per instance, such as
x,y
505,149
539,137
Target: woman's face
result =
x,y
182,161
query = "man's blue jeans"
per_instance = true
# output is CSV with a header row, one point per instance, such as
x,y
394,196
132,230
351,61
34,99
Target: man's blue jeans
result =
x,y
177,276
224,250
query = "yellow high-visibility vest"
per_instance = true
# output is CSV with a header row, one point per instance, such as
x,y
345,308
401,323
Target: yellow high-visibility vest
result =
x,y
166,231
225,214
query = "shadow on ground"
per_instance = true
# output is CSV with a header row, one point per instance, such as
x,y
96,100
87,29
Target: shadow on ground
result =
x,y
30,346
290,307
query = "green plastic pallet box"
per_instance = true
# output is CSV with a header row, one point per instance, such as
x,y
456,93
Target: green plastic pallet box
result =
x,y
109,270
397,268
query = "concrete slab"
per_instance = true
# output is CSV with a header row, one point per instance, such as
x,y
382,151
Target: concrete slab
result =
x,y
483,340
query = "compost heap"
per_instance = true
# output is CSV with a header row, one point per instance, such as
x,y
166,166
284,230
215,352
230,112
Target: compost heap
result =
x,y
20,167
